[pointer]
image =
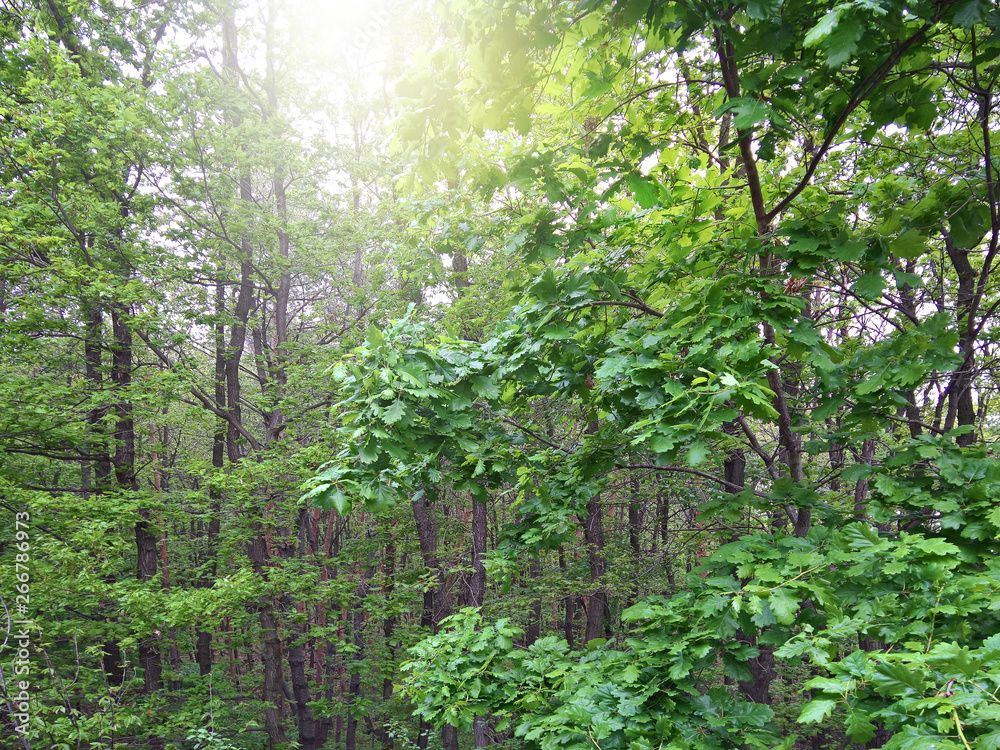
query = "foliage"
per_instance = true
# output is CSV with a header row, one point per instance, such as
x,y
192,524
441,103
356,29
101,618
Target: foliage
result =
x,y
655,339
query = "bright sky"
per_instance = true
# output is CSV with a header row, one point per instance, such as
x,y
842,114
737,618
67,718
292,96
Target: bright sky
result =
x,y
344,26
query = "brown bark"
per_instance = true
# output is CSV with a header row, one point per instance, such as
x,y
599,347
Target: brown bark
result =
x,y
477,582
435,604
207,578
271,692
593,533
354,685
312,731
97,450
569,605
961,407
790,443
146,540
534,630
98,458
257,547
861,486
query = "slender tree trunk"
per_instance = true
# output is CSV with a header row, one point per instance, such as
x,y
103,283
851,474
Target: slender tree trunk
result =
x,y
861,486
435,606
358,636
961,408
146,541
569,604
271,692
593,533
477,582
97,449
257,547
207,579
534,631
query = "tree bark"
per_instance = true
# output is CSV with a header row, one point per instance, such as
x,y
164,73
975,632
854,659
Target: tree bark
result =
x,y
961,407
593,534
207,578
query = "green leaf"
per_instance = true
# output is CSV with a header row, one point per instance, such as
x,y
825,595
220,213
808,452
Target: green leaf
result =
x,y
485,386
968,225
854,472
859,726
748,113
824,28
898,679
382,501
861,536
646,194
910,245
394,412
869,285
557,331
660,443
826,685
989,741
333,497
849,252
969,13
697,452
816,711
375,337
954,660
368,451
412,374
634,10
842,43
784,603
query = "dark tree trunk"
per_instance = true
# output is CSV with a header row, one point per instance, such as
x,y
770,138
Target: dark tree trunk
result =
x,y
312,731
477,582
97,449
358,635
758,688
593,534
861,486
146,540
435,605
423,516
207,579
111,663
534,630
961,408
569,605
272,691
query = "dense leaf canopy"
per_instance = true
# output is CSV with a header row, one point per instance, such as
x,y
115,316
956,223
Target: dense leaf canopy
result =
x,y
613,373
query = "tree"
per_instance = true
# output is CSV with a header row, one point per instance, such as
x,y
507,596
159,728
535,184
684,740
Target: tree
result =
x,y
746,300
635,359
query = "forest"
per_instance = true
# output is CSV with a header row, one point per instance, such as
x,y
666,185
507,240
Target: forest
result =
x,y
515,374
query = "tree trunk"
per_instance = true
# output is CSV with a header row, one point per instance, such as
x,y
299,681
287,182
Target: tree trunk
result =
x,y
146,541
207,579
271,692
354,686
435,605
593,534
569,604
961,408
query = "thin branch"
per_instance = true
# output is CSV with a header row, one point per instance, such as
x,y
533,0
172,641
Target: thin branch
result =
x,y
536,436
755,445
860,95
685,470
634,305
